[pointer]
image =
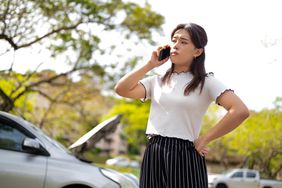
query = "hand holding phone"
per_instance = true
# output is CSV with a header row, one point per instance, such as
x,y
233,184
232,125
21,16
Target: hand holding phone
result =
x,y
164,53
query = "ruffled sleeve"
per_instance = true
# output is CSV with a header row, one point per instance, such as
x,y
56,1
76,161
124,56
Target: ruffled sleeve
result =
x,y
216,88
147,83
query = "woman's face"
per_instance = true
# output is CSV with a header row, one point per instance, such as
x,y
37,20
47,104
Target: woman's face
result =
x,y
183,50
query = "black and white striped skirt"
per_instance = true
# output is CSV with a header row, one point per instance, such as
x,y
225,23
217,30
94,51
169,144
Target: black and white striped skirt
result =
x,y
172,163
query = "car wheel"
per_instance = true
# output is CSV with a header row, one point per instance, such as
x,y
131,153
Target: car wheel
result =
x,y
221,185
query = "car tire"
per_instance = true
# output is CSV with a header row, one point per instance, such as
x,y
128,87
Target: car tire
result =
x,y
221,185
77,186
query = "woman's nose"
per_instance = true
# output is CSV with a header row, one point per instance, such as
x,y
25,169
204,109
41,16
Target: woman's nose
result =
x,y
174,46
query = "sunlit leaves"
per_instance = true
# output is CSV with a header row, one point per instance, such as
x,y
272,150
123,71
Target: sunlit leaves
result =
x,y
134,121
139,19
254,144
257,142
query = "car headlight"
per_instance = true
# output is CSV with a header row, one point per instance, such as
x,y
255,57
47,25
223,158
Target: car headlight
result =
x,y
120,179
111,175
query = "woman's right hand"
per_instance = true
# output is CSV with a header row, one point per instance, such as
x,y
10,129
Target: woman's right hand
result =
x,y
201,146
129,85
154,62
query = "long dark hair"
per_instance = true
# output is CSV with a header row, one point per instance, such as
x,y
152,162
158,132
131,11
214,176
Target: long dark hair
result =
x,y
199,39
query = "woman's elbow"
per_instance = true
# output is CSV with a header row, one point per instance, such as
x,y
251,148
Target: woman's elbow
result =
x,y
244,112
118,89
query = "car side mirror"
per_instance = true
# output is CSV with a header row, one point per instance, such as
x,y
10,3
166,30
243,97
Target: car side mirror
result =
x,y
33,146
30,143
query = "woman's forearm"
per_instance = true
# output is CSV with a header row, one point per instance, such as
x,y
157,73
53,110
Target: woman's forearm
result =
x,y
130,80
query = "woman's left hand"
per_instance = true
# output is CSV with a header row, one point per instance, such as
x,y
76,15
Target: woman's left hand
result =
x,y
201,146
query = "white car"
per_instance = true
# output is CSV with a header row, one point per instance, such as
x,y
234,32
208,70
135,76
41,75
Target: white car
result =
x,y
241,178
30,159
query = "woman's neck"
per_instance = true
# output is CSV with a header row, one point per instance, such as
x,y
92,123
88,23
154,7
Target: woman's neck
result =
x,y
179,69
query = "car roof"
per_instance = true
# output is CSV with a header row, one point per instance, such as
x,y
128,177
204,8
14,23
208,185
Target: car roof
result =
x,y
15,118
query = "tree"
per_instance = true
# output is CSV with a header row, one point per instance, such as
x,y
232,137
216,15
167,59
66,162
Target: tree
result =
x,y
71,29
65,110
261,135
258,141
134,121
219,151
255,144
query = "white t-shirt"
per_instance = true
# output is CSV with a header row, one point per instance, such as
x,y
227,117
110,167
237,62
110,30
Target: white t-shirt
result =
x,y
173,114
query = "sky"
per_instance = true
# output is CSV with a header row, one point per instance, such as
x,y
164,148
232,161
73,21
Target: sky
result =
x,y
244,47
243,51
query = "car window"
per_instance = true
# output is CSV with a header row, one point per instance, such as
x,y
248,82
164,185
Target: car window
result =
x,y
46,137
251,175
10,138
237,175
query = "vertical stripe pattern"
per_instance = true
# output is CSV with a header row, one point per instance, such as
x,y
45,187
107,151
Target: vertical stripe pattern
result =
x,y
172,163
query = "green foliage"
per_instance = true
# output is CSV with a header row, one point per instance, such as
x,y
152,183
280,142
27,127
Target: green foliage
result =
x,y
134,121
140,18
211,117
13,86
257,142
70,29
278,103
64,109
259,139
68,22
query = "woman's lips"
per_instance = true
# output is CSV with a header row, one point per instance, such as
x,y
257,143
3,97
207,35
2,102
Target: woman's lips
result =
x,y
173,53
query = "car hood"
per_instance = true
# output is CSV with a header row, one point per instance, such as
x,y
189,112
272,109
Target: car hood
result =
x,y
97,133
213,177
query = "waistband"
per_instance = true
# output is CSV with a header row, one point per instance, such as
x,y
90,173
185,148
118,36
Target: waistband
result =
x,y
153,137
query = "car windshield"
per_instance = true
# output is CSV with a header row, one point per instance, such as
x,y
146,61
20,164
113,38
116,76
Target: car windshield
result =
x,y
45,136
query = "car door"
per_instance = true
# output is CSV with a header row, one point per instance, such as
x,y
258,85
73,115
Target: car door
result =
x,y
237,180
18,168
251,180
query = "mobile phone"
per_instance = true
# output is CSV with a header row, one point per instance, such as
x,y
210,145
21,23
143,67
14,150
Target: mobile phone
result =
x,y
164,53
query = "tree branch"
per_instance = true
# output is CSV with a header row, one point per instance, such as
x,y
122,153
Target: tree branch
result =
x,y
4,17
9,40
8,103
44,95
50,33
27,79
16,46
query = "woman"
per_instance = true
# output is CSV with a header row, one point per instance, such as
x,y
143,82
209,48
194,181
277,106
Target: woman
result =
x,y
174,157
